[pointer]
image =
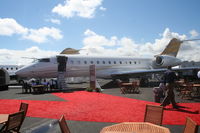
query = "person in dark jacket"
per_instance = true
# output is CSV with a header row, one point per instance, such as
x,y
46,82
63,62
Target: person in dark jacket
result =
x,y
169,80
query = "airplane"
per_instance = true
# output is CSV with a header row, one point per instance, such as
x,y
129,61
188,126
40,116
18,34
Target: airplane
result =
x,y
11,69
106,67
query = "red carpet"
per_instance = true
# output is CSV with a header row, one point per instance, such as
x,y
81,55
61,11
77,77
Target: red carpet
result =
x,y
98,107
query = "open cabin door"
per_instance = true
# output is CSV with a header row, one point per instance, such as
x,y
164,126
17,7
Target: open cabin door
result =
x,y
62,62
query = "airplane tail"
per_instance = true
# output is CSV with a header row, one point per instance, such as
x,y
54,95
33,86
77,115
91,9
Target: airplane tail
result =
x,y
172,48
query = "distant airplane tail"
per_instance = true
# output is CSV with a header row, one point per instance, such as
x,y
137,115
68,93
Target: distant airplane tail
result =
x,y
172,48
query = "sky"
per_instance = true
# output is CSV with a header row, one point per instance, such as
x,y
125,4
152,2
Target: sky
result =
x,y
136,28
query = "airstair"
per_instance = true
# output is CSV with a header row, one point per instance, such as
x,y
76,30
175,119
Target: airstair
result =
x,y
62,61
61,80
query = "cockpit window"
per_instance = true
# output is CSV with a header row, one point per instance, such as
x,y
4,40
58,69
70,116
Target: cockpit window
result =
x,y
44,60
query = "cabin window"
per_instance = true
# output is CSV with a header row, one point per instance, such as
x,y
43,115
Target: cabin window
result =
x,y
97,62
135,62
44,60
6,68
109,62
120,62
114,62
11,68
16,68
91,62
104,62
130,62
85,62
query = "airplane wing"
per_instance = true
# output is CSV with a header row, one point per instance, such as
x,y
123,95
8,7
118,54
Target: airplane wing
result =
x,y
139,73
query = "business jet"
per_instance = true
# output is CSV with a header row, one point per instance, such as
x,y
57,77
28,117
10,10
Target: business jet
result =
x,y
11,69
106,67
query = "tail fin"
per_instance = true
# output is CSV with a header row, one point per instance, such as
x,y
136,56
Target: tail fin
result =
x,y
70,51
172,48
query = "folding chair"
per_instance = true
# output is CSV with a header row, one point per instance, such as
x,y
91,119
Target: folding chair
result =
x,y
190,126
63,125
153,114
14,122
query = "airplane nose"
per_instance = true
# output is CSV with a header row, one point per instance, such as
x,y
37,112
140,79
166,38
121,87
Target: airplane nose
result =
x,y
23,72
19,73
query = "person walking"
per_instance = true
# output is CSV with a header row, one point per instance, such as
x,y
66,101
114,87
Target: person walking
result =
x,y
169,80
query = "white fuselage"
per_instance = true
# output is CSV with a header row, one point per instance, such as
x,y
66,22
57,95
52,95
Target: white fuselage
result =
x,y
11,69
78,66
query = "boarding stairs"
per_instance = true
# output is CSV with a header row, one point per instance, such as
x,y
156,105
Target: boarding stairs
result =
x,y
61,80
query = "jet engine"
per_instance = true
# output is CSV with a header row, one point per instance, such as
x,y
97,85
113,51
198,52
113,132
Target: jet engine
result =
x,y
162,61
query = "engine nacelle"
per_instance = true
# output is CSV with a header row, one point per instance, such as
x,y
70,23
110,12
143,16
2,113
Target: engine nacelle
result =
x,y
165,60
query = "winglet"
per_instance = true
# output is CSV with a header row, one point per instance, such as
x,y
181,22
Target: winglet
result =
x,y
172,48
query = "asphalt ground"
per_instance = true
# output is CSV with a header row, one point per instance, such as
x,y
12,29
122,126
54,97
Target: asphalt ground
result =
x,y
31,123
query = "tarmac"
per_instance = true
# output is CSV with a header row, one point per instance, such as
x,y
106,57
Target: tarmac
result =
x,y
30,123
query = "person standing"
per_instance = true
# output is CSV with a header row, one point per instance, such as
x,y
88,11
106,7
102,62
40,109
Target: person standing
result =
x,y
169,80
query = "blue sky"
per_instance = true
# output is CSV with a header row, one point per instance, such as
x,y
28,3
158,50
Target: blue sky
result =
x,y
27,25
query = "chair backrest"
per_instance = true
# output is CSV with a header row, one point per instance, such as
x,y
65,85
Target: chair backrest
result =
x,y
153,114
24,107
190,126
63,125
14,122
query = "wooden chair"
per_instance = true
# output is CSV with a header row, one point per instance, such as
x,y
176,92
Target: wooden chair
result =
x,y
122,89
136,85
186,93
14,122
153,114
63,125
24,107
190,126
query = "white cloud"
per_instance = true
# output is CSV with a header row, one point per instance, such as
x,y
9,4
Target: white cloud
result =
x,y
95,44
102,8
54,21
9,26
194,33
81,8
23,57
41,35
94,39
